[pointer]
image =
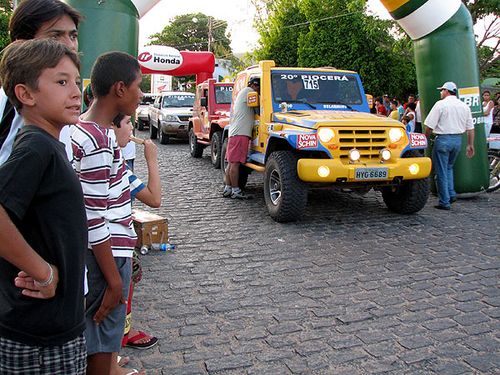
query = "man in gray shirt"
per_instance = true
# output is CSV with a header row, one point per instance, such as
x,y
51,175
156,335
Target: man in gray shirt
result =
x,y
240,132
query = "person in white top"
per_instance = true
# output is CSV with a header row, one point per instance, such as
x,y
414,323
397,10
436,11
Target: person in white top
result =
x,y
488,106
128,153
35,19
418,118
448,119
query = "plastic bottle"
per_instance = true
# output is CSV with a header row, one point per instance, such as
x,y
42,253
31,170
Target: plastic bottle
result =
x,y
162,246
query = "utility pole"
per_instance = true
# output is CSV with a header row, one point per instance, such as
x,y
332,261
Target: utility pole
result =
x,y
209,33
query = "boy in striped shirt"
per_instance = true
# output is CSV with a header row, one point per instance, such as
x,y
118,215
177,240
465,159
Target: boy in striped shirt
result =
x,y
116,79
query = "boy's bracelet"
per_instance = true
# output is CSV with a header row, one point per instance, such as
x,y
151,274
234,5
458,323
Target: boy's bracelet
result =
x,y
49,280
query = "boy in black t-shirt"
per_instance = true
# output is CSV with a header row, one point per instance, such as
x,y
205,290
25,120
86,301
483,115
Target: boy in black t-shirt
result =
x,y
43,233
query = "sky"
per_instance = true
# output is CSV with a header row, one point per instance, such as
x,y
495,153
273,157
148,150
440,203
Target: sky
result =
x,y
238,14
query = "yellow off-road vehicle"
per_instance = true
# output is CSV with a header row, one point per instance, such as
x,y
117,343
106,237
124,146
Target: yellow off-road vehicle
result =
x,y
313,128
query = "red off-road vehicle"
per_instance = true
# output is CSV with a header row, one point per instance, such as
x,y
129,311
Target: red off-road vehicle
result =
x,y
210,115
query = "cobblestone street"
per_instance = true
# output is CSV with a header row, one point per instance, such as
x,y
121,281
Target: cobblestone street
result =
x,y
350,289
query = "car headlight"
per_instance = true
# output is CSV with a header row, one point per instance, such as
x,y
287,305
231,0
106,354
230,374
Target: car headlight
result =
x,y
385,154
395,134
323,171
354,155
414,169
171,118
326,134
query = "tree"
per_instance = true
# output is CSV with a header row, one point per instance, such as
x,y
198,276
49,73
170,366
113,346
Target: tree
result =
x,y
338,33
5,13
193,32
280,35
146,83
488,45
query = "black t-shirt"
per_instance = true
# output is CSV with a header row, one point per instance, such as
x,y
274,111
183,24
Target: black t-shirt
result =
x,y
43,197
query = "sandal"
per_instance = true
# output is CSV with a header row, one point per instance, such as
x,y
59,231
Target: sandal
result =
x,y
134,371
122,361
132,342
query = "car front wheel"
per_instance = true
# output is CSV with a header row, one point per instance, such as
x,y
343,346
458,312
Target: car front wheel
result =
x,y
215,149
164,138
153,132
195,148
284,192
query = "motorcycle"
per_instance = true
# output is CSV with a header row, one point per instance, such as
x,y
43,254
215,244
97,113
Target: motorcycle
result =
x,y
494,161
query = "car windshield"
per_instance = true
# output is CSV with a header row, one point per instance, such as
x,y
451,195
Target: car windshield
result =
x,y
223,94
146,100
178,101
311,87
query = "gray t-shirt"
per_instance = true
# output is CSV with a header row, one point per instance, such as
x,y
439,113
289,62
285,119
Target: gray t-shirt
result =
x,y
242,116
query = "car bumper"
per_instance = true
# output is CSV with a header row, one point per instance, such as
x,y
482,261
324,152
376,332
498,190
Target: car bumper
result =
x,y
333,170
176,129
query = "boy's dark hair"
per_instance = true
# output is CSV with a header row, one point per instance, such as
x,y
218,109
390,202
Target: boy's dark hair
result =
x,y
412,106
395,102
23,62
118,119
29,16
113,67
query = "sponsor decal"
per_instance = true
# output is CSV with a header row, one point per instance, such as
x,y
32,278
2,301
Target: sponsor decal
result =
x,y
315,77
418,140
334,106
472,97
252,99
160,58
145,57
307,141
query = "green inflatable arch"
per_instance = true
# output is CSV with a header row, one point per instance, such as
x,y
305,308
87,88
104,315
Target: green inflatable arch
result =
x,y
445,50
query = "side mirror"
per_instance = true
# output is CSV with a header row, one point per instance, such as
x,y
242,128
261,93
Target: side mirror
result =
x,y
253,99
203,101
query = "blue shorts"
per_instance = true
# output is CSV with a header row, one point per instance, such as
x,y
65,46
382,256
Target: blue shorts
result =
x,y
107,336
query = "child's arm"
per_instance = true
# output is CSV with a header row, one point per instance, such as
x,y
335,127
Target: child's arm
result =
x,y
114,291
151,194
35,271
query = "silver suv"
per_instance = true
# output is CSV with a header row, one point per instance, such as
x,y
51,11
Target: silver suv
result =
x,y
142,112
169,115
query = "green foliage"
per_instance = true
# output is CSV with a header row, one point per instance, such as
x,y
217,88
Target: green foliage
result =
x,y
488,13
481,8
5,12
279,37
146,83
338,33
191,32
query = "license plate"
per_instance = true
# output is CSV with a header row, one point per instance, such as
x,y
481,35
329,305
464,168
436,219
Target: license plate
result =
x,y
371,174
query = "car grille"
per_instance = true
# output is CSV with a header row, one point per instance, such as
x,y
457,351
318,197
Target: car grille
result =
x,y
368,142
184,118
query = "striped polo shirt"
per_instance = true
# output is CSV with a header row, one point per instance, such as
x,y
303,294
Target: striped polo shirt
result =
x,y
98,161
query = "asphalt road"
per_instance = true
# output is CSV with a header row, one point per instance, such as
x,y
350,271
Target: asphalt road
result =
x,y
349,289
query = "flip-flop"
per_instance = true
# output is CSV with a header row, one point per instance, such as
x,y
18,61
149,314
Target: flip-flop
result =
x,y
122,361
133,371
131,342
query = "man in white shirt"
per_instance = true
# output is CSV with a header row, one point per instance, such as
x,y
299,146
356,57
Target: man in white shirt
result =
x,y
448,120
